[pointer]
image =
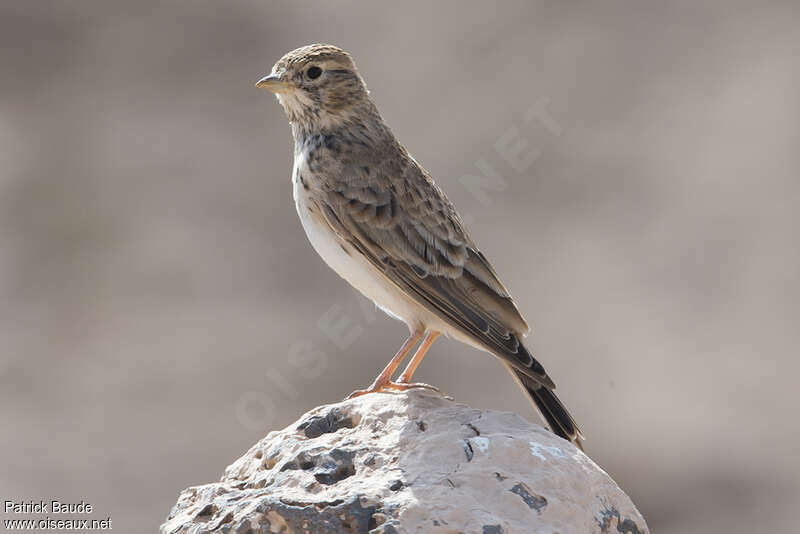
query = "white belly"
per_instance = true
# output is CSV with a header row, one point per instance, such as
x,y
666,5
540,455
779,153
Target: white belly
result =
x,y
354,268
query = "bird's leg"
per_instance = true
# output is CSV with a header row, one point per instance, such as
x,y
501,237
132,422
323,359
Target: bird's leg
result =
x,y
430,337
403,382
384,379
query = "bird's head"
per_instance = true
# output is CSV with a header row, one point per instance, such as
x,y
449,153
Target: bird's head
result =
x,y
319,87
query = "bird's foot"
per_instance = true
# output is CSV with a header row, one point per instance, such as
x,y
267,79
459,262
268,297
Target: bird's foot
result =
x,y
394,386
374,388
405,386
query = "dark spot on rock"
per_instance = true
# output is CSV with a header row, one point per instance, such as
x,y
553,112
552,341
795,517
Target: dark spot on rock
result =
x,y
259,454
396,485
341,473
492,529
472,427
333,421
369,460
534,502
302,461
341,455
337,466
320,504
269,463
227,519
422,426
206,510
468,450
624,525
500,477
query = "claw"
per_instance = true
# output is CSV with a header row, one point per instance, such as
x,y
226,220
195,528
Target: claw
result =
x,y
404,386
360,392
395,386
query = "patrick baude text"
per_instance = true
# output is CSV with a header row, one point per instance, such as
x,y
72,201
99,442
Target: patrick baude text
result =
x,y
44,507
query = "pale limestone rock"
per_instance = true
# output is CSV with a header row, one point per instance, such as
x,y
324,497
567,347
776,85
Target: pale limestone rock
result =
x,y
408,463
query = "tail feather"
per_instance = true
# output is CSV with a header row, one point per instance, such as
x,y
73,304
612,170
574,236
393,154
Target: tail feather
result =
x,y
550,407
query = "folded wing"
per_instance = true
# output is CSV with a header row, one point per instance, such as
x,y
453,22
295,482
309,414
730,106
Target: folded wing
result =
x,y
408,229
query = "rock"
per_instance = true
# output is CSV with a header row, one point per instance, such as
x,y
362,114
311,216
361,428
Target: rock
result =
x,y
416,462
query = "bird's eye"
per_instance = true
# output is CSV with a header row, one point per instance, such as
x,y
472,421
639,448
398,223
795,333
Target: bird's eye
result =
x,y
313,72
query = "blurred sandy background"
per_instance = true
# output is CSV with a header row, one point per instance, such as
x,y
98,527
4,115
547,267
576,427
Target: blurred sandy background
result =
x,y
161,308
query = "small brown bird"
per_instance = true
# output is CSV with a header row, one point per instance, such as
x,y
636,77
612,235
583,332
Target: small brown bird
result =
x,y
378,219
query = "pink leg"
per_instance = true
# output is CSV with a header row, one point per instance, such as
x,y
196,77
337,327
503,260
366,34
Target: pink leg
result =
x,y
430,337
384,379
403,382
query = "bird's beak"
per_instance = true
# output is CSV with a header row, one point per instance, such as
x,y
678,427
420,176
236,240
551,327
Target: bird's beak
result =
x,y
273,83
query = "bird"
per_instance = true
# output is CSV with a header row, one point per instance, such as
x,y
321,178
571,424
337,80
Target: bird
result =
x,y
379,220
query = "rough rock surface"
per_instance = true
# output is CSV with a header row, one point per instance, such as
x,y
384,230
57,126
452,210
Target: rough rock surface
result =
x,y
408,462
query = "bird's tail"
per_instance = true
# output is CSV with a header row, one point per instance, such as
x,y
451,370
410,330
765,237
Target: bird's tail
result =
x,y
554,413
